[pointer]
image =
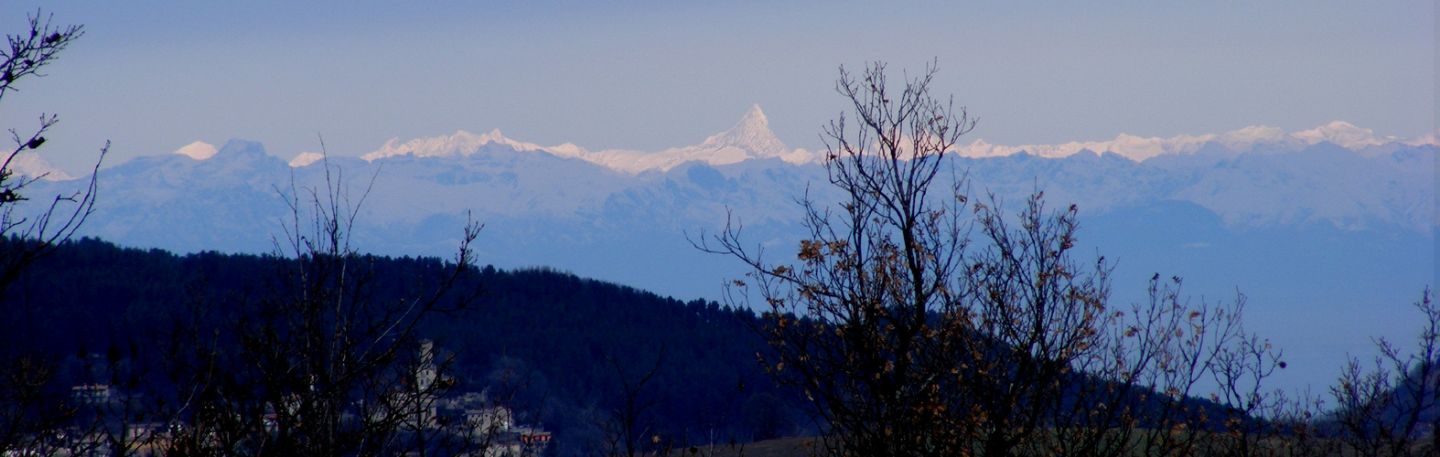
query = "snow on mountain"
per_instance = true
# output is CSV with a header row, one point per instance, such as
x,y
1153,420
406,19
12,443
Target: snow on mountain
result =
x,y
1257,176
750,138
1248,137
1297,220
1130,146
198,150
1343,133
305,159
751,133
30,164
1257,209
1139,148
1433,138
460,143
1250,177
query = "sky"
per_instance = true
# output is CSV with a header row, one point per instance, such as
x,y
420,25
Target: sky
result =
x,y
154,76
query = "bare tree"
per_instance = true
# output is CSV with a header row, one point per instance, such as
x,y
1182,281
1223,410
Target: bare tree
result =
x,y
58,218
1392,406
32,408
852,324
912,339
319,365
625,432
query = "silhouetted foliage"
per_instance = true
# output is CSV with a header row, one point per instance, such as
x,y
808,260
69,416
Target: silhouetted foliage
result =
x,y
546,335
1391,407
317,364
57,217
31,404
913,337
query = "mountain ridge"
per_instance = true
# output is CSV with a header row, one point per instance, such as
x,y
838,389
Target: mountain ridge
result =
x,y
1321,228
751,139
752,135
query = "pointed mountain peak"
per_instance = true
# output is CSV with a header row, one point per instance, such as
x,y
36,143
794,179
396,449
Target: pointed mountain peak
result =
x,y
753,123
32,165
198,150
752,133
460,143
1339,124
755,117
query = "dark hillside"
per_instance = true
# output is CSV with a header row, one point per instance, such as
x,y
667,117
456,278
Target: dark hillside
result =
x,y
559,340
558,346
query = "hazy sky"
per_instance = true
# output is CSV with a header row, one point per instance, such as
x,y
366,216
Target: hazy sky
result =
x,y
155,76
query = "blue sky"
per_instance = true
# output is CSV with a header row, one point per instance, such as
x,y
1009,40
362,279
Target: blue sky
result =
x,y
155,76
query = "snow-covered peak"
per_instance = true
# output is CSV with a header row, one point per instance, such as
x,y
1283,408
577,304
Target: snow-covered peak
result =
x,y
198,150
1139,148
755,116
1343,133
459,143
1431,139
752,134
1130,146
305,159
750,138
1247,137
463,143
31,165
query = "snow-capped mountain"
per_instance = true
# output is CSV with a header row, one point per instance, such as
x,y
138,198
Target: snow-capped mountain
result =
x,y
229,198
306,158
751,135
461,143
1248,139
750,138
198,150
30,164
1329,218
1259,176
1335,218
1337,175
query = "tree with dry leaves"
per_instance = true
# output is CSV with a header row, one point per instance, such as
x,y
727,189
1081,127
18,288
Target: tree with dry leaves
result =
x,y
921,322
1391,406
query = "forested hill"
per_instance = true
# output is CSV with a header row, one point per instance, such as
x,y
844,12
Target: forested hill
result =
x,y
567,342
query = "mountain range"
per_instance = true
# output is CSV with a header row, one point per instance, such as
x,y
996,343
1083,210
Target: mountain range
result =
x,y
1334,223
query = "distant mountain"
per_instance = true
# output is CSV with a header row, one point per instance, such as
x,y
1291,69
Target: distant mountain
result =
x,y
750,138
230,198
1248,139
1333,223
30,164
